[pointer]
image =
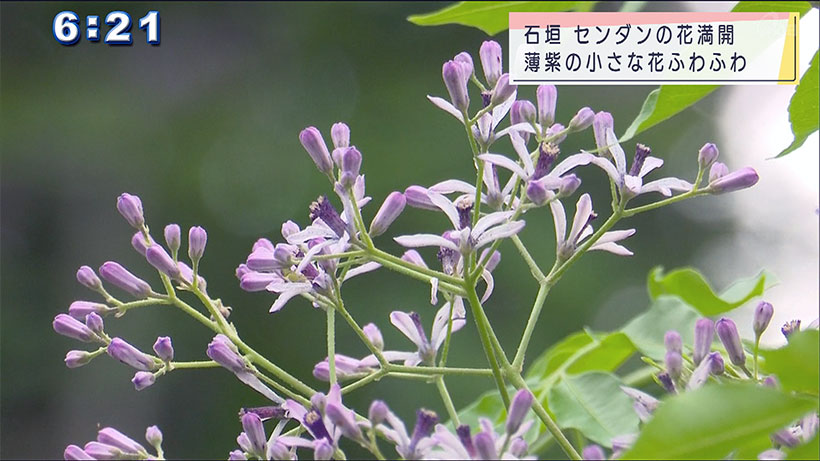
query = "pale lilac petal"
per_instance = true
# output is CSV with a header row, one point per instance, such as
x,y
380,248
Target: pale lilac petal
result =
x,y
363,269
583,210
617,152
609,169
452,185
425,240
405,324
585,233
311,253
612,248
490,220
649,164
520,147
571,162
615,236
488,279
666,185
633,184
525,126
315,230
281,285
501,110
504,162
444,105
446,206
294,410
439,333
434,291
559,218
499,232
256,384
285,296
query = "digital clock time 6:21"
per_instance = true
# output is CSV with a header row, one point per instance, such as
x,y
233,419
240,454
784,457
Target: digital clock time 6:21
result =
x,y
66,28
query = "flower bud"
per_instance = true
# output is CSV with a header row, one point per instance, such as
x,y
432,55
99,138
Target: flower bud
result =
x,y
736,180
143,379
89,279
173,238
117,275
255,431
197,238
99,450
153,435
716,365
601,124
130,355
378,412
340,134
593,452
485,445
518,448
315,146
130,207
73,452
416,197
717,171
763,315
704,334
455,80
222,351
770,381
164,348
344,420
674,364
390,210
569,184
667,383
490,53
467,62
582,120
547,97
503,90
76,359
672,341
70,327
519,407
94,323
483,129
707,155
554,133
80,309
538,193
350,164
374,335
289,228
322,450
522,111
727,332
159,258
115,438
139,244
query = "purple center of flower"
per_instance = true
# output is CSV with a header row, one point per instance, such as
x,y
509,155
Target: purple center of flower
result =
x,y
465,211
486,96
425,421
425,349
463,433
641,152
313,421
447,258
792,326
264,413
547,153
666,380
323,209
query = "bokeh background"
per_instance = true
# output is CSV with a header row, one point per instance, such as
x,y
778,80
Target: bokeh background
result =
x,y
204,129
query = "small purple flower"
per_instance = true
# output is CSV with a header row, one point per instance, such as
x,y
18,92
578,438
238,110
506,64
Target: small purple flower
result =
x,y
727,332
763,315
378,412
94,323
164,348
717,171
73,452
350,162
490,53
197,238
322,450
255,432
417,197
410,325
130,207
139,243
455,75
374,335
522,111
555,133
790,327
593,452
547,97
581,229
503,90
173,237
89,279
345,420
143,379
153,436
736,180
643,403
582,120
519,407
130,355
117,275
704,334
315,146
159,258
707,155
467,60
222,351
80,309
667,382
340,134
115,438
601,124
674,364
673,341
390,210
70,327
485,446
76,359
99,450
712,365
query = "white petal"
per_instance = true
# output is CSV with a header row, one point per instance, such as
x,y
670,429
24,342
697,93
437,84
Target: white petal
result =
x,y
571,162
425,240
439,333
609,168
649,164
315,230
585,233
285,296
523,126
444,105
501,110
633,184
452,185
311,253
666,185
488,278
612,248
490,220
615,236
499,232
363,269
256,384
617,152
505,162
559,217
405,324
446,206
434,291
583,210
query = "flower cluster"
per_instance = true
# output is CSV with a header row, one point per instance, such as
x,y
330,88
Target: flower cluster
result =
x,y
113,444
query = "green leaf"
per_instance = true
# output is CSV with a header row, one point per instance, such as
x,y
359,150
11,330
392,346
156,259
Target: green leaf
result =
x,y
580,352
490,17
664,102
796,365
689,285
594,404
804,113
715,420
773,7
806,451
665,313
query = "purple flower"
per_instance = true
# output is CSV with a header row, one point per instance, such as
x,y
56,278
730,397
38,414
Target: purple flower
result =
x,y
76,359
73,452
117,275
467,60
374,335
503,90
519,408
582,120
115,438
727,332
80,309
173,237
763,315
139,243
547,97
153,436
522,111
390,210
455,75
602,123
95,323
143,379
736,180
350,162
717,171
315,146
410,325
790,327
707,155
673,341
130,355
581,229
130,207
712,365
593,452
674,364
704,334
490,53
87,278
346,368
667,382
99,450
417,197
255,432
68,326
345,420
164,348
197,237
643,403
340,134
222,351
486,444
159,258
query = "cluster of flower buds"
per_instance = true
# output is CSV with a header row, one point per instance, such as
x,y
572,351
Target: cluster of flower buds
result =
x,y
113,444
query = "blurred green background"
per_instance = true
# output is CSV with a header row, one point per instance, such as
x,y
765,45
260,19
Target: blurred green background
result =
x,y
204,129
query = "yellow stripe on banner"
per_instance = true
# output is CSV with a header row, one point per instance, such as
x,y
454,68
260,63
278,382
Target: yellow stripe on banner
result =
x,y
788,62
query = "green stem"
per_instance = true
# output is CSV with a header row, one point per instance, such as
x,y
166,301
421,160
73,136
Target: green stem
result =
x,y
756,351
440,370
448,401
375,376
331,344
534,269
284,390
693,193
446,349
399,265
540,298
486,343
193,364
360,333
